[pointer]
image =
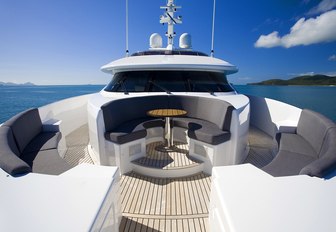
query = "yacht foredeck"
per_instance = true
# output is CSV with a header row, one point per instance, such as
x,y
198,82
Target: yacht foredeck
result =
x,y
166,204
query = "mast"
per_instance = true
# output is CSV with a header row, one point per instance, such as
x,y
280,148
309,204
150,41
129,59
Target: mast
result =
x,y
213,28
127,52
168,18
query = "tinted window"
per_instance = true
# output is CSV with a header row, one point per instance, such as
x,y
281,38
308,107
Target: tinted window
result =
x,y
169,52
169,81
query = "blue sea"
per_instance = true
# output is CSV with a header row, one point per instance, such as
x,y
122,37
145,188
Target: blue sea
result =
x,y
14,99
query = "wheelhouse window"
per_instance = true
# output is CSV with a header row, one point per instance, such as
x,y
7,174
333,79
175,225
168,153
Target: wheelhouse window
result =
x,y
169,81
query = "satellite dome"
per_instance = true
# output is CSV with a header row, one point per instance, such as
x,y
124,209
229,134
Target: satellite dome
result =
x,y
185,41
155,41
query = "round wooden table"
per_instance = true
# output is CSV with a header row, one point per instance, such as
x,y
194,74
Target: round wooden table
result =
x,y
168,114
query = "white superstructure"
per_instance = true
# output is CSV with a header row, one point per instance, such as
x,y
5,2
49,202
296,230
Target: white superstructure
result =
x,y
243,197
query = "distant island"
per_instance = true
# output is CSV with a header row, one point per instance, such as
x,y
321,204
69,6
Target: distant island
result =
x,y
301,80
16,84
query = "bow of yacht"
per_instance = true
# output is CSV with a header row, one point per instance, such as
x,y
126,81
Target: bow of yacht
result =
x,y
168,145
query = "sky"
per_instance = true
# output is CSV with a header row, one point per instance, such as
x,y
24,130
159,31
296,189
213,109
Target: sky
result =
x,y
64,42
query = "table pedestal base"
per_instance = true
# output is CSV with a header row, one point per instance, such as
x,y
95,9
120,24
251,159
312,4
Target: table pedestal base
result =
x,y
165,148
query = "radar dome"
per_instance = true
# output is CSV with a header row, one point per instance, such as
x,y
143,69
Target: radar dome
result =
x,y
155,41
185,41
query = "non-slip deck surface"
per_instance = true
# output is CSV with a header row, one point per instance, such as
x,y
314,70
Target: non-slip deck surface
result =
x,y
165,204
177,158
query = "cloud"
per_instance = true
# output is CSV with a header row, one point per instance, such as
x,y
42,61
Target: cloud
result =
x,y
304,32
322,7
332,58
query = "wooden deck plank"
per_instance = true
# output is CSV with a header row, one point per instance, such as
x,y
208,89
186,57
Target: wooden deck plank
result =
x,y
154,199
139,196
169,201
150,225
128,224
123,223
164,204
188,197
191,224
156,225
179,225
185,224
189,193
146,196
144,225
201,192
182,197
194,196
178,158
197,224
163,201
131,199
179,198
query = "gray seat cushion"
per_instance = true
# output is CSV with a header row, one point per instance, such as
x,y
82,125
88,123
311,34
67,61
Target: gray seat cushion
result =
x,y
133,130
326,163
311,151
118,112
127,132
152,123
25,127
208,132
296,144
313,127
202,130
46,162
43,141
212,110
287,163
9,154
123,117
24,147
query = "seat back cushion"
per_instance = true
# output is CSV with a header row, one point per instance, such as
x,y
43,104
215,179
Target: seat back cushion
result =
x,y
9,154
213,110
25,127
120,111
313,127
329,144
327,161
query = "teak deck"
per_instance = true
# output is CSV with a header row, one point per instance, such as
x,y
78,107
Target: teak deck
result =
x,y
166,204
178,158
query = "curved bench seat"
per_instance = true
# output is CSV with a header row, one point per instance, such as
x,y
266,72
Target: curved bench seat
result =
x,y
202,130
311,150
207,120
25,147
206,128
132,130
46,162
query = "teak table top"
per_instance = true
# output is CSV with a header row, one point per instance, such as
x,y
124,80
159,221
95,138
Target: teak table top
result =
x,y
166,112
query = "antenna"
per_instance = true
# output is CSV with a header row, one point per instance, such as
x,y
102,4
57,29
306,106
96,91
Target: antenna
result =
x,y
127,52
213,29
168,18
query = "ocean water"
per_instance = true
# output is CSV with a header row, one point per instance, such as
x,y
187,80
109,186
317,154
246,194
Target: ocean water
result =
x,y
321,99
14,99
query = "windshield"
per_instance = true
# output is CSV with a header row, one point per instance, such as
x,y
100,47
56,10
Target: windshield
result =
x,y
169,81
